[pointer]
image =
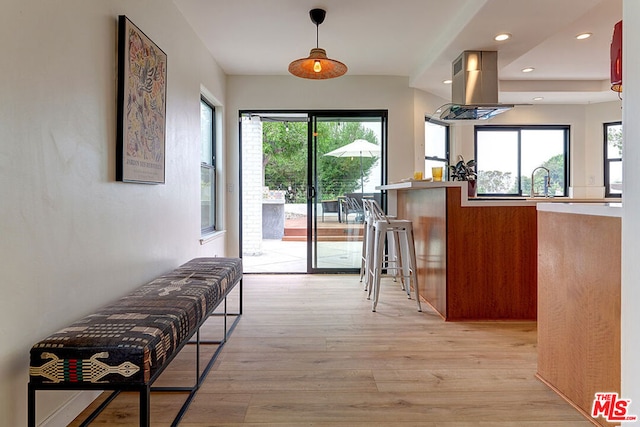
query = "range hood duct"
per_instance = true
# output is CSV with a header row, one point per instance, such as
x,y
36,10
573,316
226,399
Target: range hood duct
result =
x,y
474,87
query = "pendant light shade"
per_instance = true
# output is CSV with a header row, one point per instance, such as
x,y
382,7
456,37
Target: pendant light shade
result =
x,y
616,58
317,65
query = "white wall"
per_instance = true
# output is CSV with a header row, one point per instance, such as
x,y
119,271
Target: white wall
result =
x,y
425,104
631,205
72,239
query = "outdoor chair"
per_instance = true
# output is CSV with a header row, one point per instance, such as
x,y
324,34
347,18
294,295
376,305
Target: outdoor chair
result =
x,y
351,205
331,206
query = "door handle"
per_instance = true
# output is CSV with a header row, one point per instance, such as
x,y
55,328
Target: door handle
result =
x,y
311,192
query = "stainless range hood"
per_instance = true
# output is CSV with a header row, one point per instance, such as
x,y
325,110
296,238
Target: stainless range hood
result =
x,y
474,89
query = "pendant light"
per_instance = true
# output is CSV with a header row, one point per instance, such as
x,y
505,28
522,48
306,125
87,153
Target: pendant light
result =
x,y
616,58
317,66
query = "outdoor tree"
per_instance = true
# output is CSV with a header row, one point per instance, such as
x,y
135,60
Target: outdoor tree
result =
x,y
498,182
614,139
556,175
556,172
285,158
494,182
340,175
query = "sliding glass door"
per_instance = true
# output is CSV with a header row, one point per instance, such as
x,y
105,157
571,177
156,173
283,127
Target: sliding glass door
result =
x,y
346,166
303,178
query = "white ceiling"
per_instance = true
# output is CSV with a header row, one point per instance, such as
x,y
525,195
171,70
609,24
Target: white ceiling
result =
x,y
420,39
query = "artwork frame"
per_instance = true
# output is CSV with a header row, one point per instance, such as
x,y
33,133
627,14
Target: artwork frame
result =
x,y
141,105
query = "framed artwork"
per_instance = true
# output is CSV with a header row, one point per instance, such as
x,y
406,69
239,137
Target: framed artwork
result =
x,y
142,103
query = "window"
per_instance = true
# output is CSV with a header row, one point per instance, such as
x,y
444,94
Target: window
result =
x,y
436,145
506,156
207,168
613,159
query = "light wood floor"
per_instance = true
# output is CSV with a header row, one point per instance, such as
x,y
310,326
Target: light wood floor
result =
x,y
309,352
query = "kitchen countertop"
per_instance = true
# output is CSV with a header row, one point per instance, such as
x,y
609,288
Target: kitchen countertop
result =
x,y
489,201
597,209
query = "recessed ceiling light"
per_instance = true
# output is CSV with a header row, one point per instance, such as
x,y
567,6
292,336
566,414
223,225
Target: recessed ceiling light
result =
x,y
502,37
447,82
538,98
583,36
528,69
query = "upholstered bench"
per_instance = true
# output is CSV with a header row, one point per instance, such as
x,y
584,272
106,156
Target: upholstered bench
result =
x,y
127,345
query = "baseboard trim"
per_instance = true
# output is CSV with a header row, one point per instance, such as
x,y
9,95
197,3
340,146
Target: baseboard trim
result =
x,y
70,409
582,412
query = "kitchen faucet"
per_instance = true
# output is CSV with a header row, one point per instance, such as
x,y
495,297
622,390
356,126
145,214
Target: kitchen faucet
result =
x,y
547,182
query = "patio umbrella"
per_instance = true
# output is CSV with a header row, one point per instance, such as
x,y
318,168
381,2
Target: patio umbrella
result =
x,y
358,148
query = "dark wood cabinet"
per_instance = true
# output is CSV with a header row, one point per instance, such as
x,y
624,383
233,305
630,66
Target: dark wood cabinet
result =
x,y
474,263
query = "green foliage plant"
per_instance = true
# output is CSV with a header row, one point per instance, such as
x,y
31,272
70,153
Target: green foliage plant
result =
x,y
463,171
285,154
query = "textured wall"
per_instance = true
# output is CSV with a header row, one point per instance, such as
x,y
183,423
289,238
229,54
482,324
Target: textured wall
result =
x,y
72,238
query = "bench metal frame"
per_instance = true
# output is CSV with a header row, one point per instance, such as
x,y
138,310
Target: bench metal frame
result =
x,y
145,389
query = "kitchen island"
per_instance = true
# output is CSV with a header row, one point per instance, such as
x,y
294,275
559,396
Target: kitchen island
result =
x,y
579,279
526,259
477,258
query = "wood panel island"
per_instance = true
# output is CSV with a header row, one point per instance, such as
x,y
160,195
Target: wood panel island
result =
x,y
477,258
579,278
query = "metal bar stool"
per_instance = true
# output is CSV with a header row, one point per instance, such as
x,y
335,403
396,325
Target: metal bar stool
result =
x,y
403,231
372,211
368,224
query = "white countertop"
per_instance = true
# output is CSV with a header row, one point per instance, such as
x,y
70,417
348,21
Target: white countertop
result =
x,y
411,185
597,209
510,201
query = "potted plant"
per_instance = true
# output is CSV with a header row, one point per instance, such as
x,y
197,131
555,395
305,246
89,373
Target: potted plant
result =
x,y
465,171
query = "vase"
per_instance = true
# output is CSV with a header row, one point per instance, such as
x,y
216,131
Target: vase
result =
x,y
472,188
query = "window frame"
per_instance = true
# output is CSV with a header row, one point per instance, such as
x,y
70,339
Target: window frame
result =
x,y
519,129
608,161
447,142
211,167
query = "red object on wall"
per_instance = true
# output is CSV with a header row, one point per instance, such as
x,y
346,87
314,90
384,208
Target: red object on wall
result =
x,y
616,58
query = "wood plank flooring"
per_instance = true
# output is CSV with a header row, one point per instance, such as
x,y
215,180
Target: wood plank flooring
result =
x,y
309,352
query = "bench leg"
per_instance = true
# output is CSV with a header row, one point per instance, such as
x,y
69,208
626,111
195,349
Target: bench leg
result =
x,y
31,407
225,320
197,359
144,407
240,305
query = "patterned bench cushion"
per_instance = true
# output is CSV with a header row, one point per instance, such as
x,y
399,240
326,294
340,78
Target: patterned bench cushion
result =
x,y
129,340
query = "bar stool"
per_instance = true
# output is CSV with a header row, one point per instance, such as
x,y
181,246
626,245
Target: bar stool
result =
x,y
372,211
406,261
367,227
